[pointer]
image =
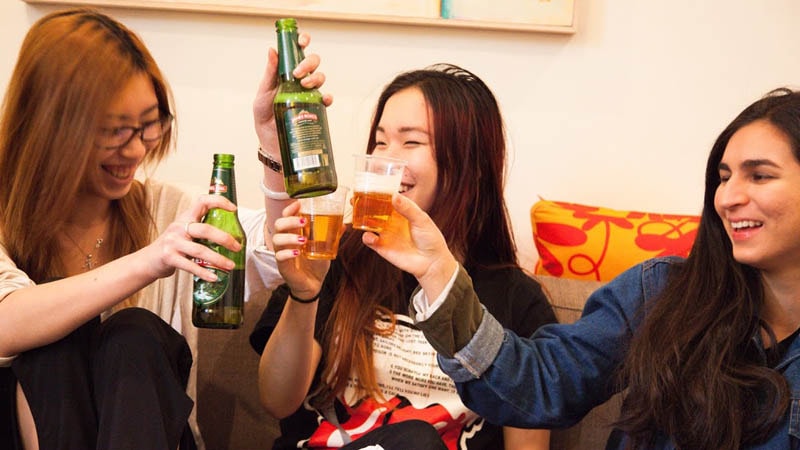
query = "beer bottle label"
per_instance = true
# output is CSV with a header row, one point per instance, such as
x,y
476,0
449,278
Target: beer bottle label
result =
x,y
206,292
217,186
306,136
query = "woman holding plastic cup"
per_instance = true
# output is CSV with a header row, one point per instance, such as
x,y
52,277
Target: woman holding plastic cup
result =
x,y
323,218
376,179
341,365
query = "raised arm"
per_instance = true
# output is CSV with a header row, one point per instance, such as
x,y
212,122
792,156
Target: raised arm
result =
x,y
264,120
291,355
549,380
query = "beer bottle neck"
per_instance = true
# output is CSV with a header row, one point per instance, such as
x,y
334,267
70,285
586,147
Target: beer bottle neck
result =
x,y
289,53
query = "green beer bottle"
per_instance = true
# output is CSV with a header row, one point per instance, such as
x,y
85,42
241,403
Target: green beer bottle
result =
x,y
221,304
306,153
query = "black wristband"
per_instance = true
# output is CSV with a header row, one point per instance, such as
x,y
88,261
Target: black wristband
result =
x,y
303,300
269,161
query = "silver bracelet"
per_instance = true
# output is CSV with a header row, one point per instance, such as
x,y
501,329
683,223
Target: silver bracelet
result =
x,y
274,195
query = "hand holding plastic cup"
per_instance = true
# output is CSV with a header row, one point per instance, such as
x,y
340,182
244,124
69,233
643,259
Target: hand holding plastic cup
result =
x,y
376,179
324,223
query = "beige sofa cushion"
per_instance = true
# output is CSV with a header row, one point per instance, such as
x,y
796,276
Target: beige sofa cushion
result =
x,y
229,412
567,297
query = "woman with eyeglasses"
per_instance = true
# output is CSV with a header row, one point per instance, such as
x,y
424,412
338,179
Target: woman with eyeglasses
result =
x,y
95,320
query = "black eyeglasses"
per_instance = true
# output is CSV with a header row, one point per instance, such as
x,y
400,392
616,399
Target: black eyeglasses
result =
x,y
150,132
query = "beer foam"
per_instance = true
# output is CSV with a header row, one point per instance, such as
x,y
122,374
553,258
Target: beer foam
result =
x,y
321,206
373,182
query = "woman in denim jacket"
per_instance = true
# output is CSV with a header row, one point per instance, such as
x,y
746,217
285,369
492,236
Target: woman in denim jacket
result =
x,y
705,347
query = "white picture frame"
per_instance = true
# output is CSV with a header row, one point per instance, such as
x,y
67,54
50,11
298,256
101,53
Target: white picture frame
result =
x,y
546,16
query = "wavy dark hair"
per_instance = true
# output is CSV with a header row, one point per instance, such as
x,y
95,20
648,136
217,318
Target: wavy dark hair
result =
x,y
71,65
470,153
692,372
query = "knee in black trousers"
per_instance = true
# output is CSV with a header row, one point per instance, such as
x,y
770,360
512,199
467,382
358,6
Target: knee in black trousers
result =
x,y
140,334
58,386
118,384
141,367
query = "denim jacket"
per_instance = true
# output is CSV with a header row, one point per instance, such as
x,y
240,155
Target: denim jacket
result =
x,y
557,376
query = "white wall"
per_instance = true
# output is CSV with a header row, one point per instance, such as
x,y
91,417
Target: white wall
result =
x,y
621,114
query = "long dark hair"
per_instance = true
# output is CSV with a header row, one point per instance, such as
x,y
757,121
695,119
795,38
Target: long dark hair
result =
x,y
470,154
691,370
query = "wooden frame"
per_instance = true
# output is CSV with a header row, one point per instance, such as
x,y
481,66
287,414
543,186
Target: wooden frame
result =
x,y
544,16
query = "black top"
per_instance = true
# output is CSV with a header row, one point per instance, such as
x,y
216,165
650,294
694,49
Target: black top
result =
x,y
775,354
514,298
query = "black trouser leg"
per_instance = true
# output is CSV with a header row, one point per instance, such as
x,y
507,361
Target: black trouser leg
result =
x,y
9,435
140,369
57,383
119,384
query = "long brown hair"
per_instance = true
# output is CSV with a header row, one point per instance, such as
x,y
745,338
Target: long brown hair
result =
x,y
469,208
691,369
71,65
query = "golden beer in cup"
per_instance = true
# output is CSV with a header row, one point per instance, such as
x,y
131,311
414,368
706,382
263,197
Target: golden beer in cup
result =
x,y
376,179
324,223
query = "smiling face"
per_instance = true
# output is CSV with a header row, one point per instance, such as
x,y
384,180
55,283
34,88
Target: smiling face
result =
x,y
758,198
405,132
110,172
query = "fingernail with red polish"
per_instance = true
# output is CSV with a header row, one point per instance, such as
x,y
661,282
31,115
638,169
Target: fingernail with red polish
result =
x,y
301,239
295,252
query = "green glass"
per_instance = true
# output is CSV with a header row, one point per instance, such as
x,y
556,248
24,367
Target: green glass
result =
x,y
220,304
302,122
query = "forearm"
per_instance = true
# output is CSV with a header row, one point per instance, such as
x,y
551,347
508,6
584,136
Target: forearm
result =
x,y
273,186
35,316
289,360
439,277
554,378
455,320
498,374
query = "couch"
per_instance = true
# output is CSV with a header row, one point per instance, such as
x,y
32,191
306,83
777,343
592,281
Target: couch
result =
x,y
231,417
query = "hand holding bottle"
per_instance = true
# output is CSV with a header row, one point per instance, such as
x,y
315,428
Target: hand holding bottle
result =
x,y
220,304
175,248
268,87
301,122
